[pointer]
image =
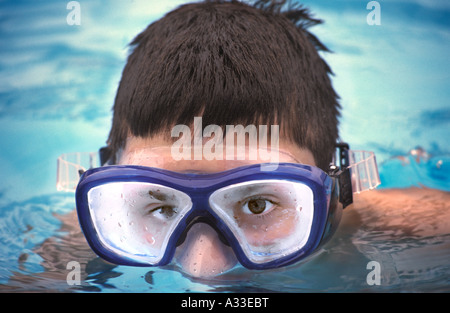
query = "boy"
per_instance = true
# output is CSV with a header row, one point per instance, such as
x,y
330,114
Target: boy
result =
x,y
220,64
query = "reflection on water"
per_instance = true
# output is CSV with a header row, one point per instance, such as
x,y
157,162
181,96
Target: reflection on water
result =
x,y
409,234
406,230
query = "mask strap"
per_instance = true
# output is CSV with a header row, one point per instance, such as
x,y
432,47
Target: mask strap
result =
x,y
105,154
357,172
363,170
342,174
71,165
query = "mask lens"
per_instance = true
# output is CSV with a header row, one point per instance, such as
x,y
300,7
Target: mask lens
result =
x,y
135,220
270,218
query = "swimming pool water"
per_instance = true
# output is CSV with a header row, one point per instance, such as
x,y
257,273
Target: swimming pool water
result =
x,y
40,237
57,86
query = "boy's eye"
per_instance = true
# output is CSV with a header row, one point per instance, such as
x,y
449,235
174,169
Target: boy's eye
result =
x,y
163,212
257,206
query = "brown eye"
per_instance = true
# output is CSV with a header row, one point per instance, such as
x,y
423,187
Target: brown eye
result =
x,y
257,206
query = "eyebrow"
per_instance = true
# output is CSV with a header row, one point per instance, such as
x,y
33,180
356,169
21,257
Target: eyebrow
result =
x,y
157,195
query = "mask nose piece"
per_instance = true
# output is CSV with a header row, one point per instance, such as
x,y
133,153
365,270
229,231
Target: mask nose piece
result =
x,y
204,220
202,254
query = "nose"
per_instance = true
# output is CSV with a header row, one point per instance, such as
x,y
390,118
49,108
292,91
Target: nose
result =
x,y
203,254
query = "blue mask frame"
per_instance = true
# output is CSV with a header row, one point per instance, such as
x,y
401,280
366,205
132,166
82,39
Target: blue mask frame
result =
x,y
327,210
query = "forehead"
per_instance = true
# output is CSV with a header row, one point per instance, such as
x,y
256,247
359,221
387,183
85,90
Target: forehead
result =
x,y
160,153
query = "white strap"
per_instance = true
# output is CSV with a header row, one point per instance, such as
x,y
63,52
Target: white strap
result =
x,y
69,165
363,170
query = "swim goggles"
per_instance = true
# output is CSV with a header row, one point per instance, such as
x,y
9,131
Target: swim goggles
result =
x,y
136,215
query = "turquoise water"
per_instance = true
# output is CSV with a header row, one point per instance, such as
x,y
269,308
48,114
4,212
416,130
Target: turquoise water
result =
x,y
57,86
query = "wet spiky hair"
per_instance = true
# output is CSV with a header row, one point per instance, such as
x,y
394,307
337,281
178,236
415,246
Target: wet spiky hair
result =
x,y
299,15
231,63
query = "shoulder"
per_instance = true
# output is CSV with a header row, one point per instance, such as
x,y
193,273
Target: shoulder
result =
x,y
411,211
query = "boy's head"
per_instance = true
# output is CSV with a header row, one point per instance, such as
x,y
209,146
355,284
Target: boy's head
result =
x,y
229,63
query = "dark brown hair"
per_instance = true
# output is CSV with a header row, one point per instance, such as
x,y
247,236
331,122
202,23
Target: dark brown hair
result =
x,y
230,63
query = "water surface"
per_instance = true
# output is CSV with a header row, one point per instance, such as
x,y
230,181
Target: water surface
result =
x,y
57,87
